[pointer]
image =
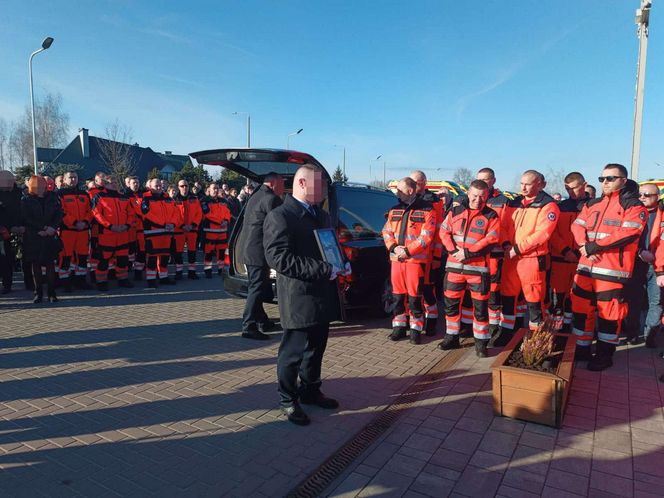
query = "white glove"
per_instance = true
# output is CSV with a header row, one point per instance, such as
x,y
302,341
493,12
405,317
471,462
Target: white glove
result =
x,y
348,269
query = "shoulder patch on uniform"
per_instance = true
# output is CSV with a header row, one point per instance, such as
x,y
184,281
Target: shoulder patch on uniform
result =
x,y
480,223
551,216
642,215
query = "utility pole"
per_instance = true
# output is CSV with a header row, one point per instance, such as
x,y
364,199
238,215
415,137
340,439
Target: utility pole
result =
x,y
642,23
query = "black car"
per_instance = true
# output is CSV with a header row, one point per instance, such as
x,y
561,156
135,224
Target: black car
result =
x,y
357,212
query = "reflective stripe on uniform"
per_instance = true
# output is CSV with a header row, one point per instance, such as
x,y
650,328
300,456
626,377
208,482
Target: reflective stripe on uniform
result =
x,y
462,267
604,271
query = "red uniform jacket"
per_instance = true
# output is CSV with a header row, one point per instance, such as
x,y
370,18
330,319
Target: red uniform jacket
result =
x,y
76,207
413,227
610,227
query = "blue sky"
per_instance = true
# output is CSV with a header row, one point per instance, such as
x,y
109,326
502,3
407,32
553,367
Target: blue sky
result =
x,y
512,84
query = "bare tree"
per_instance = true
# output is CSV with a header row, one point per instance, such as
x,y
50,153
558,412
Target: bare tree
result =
x,y
463,176
52,124
555,180
4,141
116,151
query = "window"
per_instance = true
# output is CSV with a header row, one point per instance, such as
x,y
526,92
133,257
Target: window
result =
x,y
362,213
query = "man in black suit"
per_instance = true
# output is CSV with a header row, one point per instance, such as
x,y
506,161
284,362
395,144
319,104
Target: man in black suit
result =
x,y
255,321
307,294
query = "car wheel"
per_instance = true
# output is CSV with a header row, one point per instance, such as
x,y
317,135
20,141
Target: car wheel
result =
x,y
387,301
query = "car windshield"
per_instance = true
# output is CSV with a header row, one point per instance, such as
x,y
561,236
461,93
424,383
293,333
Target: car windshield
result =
x,y
362,213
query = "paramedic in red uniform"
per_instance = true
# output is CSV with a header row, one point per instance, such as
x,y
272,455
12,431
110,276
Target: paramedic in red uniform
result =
x,y
607,233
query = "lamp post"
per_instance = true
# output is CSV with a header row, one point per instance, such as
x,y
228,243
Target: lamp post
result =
x,y
48,41
290,135
238,113
377,158
642,23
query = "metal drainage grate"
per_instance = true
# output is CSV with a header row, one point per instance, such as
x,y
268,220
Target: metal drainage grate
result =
x,y
328,471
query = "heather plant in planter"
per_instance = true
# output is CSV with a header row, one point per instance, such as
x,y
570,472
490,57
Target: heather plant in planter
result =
x,y
537,346
533,374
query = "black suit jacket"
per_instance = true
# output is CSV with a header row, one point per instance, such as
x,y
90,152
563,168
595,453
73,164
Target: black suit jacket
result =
x,y
306,295
258,206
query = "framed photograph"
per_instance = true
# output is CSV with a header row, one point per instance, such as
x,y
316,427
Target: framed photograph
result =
x,y
329,247
332,253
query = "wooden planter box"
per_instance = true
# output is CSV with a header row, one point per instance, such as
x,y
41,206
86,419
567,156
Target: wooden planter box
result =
x,y
531,395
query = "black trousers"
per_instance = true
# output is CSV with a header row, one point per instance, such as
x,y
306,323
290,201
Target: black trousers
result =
x,y
259,290
301,354
7,261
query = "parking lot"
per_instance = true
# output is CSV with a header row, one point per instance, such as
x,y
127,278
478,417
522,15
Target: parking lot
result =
x,y
140,392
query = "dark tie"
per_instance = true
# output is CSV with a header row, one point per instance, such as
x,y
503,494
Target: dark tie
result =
x,y
312,211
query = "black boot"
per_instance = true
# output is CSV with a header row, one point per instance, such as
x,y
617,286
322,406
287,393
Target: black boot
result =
x,y
397,333
178,275
125,283
430,327
603,358
414,336
651,338
102,286
81,283
52,298
93,277
480,347
38,295
450,341
582,353
166,281
152,283
138,275
208,273
220,272
66,284
192,275
502,338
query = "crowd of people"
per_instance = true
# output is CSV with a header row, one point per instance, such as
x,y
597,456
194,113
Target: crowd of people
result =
x,y
595,262
71,237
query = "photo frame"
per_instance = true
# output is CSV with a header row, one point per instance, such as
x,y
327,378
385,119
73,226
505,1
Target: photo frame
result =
x,y
329,247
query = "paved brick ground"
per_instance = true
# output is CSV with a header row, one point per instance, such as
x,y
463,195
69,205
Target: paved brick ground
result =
x,y
140,393
144,392
611,444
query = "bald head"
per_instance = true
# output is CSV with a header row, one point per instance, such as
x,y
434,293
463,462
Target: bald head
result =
x,y
308,184
532,183
406,190
420,180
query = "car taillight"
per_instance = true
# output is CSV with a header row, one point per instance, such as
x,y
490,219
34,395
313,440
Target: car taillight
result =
x,y
351,253
227,259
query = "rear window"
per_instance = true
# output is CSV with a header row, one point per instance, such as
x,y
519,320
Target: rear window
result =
x,y
362,213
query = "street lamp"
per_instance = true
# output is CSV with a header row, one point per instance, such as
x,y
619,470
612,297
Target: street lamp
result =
x,y
48,41
238,113
377,158
642,23
290,135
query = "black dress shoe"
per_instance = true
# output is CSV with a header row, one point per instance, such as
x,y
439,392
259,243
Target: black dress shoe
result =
x,y
296,414
6,290
52,298
319,399
37,299
267,326
192,275
256,335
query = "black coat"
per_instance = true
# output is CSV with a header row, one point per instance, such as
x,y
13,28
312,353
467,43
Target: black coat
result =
x,y
258,206
306,295
37,213
10,208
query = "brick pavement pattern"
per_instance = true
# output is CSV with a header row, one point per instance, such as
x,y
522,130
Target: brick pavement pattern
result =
x,y
611,443
154,393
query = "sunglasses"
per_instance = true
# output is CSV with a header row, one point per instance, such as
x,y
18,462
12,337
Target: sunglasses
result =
x,y
643,194
608,178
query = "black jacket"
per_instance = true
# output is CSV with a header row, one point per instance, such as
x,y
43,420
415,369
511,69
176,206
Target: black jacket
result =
x,y
39,213
306,295
258,206
10,207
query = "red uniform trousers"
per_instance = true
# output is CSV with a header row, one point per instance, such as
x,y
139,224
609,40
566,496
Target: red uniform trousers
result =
x,y
139,260
477,286
76,245
562,278
191,239
431,276
157,250
527,275
177,248
214,248
591,296
112,245
495,272
407,284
